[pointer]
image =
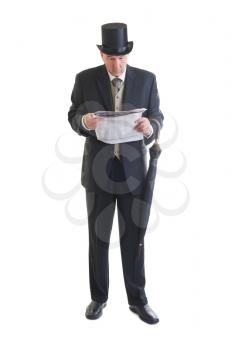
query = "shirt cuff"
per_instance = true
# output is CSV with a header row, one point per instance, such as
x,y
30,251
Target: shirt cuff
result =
x,y
83,124
147,137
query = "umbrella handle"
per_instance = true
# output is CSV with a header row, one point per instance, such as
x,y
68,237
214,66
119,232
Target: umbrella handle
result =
x,y
158,130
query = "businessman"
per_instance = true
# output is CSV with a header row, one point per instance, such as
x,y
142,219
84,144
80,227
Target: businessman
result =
x,y
114,174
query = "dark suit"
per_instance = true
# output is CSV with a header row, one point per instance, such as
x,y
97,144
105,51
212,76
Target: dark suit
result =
x,y
107,179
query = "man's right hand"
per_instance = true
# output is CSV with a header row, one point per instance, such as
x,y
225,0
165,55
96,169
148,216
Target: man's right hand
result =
x,y
91,121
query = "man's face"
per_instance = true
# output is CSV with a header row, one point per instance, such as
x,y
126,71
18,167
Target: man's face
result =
x,y
116,65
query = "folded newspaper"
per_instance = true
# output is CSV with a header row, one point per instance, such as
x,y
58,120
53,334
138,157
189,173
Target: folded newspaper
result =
x,y
118,127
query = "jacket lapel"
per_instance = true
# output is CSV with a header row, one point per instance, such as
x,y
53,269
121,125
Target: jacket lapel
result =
x,y
129,89
103,83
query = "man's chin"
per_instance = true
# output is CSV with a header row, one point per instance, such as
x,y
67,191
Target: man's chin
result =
x,y
117,73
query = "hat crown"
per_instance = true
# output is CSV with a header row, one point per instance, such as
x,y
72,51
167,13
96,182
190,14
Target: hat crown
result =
x,y
114,35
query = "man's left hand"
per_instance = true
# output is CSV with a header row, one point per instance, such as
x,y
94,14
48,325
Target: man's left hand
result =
x,y
143,125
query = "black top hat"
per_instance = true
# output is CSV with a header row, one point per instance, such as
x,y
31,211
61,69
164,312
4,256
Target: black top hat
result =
x,y
114,39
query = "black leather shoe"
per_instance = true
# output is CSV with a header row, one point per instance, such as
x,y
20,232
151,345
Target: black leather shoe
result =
x,y
145,313
94,310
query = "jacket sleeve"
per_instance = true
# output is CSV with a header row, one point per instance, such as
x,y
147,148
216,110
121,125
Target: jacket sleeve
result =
x,y
78,109
154,113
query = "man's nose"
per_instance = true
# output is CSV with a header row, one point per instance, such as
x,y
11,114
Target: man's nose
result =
x,y
117,63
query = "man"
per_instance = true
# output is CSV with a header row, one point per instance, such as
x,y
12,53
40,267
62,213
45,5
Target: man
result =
x,y
115,173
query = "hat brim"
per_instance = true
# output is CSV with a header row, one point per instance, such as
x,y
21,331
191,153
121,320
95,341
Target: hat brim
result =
x,y
117,52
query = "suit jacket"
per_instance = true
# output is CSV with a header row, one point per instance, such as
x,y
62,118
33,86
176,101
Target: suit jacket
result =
x,y
92,92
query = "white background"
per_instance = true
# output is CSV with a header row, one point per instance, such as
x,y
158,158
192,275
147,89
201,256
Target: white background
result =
x,y
43,254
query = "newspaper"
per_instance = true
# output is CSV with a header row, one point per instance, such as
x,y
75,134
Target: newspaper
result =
x,y
118,127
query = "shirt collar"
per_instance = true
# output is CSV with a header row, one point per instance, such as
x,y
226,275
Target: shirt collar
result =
x,y
122,76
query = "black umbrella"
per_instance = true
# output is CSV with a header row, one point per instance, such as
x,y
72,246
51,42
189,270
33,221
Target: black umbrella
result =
x,y
155,152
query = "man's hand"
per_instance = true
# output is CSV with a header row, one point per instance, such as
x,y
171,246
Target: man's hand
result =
x,y
91,121
143,125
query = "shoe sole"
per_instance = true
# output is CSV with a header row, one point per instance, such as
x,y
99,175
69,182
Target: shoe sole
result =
x,y
96,316
143,319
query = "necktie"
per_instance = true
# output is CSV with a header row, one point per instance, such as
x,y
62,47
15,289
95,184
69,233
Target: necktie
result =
x,y
117,84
